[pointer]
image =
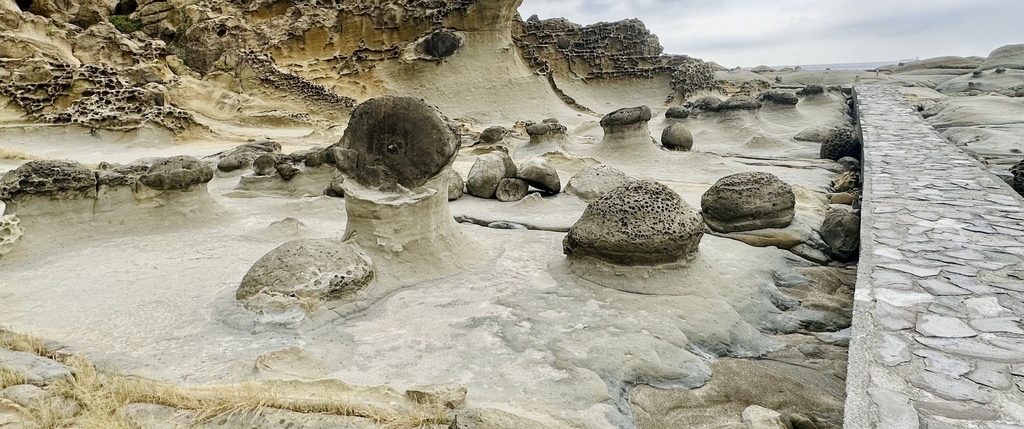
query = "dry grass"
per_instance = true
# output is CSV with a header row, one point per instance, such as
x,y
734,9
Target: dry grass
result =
x,y
10,377
101,395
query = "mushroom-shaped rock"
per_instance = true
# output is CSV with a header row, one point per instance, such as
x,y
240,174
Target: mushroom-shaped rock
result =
x,y
840,142
748,201
625,130
456,186
548,136
593,182
780,97
841,232
306,270
511,189
540,174
397,140
677,113
677,137
180,172
487,172
639,223
53,179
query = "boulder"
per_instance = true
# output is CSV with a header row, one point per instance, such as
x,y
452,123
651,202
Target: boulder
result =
x,y
849,163
545,128
307,270
677,113
626,133
626,116
266,164
540,174
243,156
780,97
840,142
677,137
180,172
493,134
456,186
762,69
398,140
756,417
511,189
809,90
841,232
593,182
1007,57
57,179
638,223
748,201
487,172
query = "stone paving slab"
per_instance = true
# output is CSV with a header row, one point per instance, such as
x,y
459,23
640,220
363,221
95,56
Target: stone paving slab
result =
x,y
937,336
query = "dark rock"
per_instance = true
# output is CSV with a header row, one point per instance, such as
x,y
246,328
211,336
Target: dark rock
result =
x,y
849,163
181,172
677,113
398,137
63,179
707,103
286,170
780,97
441,44
739,103
841,232
626,116
511,189
638,223
266,164
677,137
487,172
540,174
243,156
493,134
811,89
840,142
748,201
545,129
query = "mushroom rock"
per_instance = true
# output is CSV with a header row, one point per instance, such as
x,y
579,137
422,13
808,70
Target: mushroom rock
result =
x,y
748,201
625,130
547,136
638,223
403,223
46,180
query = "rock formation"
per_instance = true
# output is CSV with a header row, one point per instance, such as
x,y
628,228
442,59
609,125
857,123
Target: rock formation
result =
x,y
177,173
45,180
594,182
676,137
540,174
545,137
748,201
841,231
487,172
10,233
840,142
626,132
638,223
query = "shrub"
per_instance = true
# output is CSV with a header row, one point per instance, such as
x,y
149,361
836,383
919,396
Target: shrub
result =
x,y
125,24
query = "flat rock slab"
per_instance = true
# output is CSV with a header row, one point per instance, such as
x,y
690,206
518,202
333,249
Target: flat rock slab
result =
x,y
38,370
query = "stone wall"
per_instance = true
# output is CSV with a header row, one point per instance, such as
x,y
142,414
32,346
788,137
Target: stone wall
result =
x,y
937,340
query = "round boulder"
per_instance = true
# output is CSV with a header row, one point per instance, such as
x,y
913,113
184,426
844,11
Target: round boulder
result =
x,y
441,44
308,269
841,232
748,201
456,186
397,140
677,137
540,174
511,189
677,113
639,223
840,142
545,128
180,172
493,134
487,171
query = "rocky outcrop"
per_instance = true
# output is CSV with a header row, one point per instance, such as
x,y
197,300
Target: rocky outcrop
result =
x,y
305,273
1007,57
1017,174
53,179
748,201
623,49
412,145
638,223
540,174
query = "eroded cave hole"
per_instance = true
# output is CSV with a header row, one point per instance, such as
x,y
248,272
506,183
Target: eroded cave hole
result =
x,y
125,7
441,44
24,5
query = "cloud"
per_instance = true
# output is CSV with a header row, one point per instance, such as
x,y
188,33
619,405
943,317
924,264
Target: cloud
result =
x,y
751,32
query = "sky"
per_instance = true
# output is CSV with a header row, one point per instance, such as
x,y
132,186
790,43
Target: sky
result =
x,y
794,32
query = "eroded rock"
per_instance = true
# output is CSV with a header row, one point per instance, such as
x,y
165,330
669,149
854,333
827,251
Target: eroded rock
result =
x,y
180,172
748,201
593,182
54,179
677,137
840,142
841,231
540,174
638,223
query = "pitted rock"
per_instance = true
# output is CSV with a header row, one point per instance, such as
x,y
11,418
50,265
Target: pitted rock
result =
x,y
748,201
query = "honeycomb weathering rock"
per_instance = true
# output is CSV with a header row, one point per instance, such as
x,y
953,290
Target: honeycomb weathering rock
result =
x,y
399,140
57,179
594,182
308,269
841,232
626,116
840,142
639,223
10,233
608,50
748,201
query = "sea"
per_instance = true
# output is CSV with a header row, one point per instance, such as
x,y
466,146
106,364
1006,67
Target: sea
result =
x,y
846,66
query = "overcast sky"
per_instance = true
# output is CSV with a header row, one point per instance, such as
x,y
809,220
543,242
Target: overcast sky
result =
x,y
792,32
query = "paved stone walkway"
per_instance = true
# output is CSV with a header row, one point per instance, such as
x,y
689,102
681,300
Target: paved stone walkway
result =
x,y
937,336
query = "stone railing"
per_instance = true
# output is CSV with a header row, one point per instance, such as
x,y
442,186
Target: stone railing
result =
x,y
937,337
